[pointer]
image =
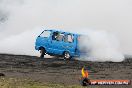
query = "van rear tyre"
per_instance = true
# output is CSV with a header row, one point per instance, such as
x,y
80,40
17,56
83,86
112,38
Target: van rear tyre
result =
x,y
67,56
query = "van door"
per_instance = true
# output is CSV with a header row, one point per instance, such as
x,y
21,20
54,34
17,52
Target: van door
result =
x,y
44,39
57,43
69,44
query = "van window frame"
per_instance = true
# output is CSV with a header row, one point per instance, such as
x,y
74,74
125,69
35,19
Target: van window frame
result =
x,y
59,33
66,37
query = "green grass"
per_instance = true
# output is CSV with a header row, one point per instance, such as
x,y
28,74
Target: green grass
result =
x,y
26,83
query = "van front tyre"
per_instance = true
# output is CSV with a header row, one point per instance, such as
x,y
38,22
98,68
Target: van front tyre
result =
x,y
67,56
42,52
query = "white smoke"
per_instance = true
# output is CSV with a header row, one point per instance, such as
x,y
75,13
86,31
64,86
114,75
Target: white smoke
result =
x,y
21,44
26,17
100,46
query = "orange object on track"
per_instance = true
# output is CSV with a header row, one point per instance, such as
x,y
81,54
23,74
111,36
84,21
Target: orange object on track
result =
x,y
84,73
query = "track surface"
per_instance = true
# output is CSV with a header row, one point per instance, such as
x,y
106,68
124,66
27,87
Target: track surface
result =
x,y
54,70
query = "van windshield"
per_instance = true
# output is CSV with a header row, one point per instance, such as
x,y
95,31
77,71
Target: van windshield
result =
x,y
45,34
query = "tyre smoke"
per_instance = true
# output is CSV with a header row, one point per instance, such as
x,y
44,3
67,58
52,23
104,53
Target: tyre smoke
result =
x,y
100,46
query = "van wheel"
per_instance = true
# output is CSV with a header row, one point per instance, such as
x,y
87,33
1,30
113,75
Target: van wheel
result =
x,y
42,52
67,56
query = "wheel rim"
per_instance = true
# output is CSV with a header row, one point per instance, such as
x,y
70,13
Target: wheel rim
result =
x,y
67,55
41,51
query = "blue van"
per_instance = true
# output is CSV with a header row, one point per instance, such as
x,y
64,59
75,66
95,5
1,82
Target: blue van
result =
x,y
60,43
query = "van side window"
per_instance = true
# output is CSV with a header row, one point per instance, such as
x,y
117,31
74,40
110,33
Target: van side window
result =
x,y
54,36
57,36
60,37
68,38
45,34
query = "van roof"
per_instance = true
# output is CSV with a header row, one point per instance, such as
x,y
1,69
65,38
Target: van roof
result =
x,y
61,31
